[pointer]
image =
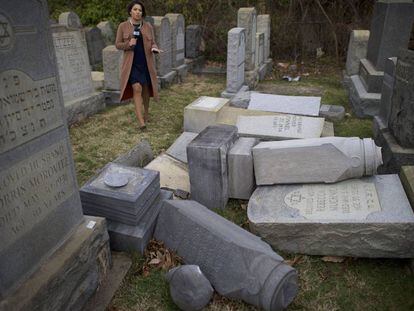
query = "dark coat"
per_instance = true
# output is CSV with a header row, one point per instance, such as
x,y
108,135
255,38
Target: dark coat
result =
x,y
123,35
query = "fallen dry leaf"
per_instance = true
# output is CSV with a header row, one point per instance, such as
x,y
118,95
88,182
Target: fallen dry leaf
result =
x,y
333,259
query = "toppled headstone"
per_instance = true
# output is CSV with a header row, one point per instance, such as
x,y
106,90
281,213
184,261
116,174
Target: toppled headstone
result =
x,y
202,113
301,105
280,127
120,193
327,159
173,173
368,217
240,168
189,288
125,237
207,164
139,156
238,264
178,149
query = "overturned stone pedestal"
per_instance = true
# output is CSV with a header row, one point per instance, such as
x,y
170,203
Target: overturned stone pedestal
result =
x,y
369,217
178,150
238,264
135,238
63,282
207,164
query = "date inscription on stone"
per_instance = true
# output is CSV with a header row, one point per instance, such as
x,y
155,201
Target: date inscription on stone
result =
x,y
288,124
28,108
32,189
347,200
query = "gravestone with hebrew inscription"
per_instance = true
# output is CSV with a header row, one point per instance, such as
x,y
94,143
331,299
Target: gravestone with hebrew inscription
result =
x,y
79,96
177,24
236,46
163,61
41,223
280,127
247,19
369,217
391,26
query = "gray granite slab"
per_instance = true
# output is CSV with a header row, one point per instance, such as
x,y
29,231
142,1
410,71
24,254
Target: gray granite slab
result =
x,y
162,32
207,164
263,25
302,105
135,238
178,149
332,112
369,217
280,127
112,62
177,23
95,42
108,32
236,46
240,168
238,264
247,19
357,50
192,41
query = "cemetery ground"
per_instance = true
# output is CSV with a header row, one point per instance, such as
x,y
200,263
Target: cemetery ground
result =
x,y
324,284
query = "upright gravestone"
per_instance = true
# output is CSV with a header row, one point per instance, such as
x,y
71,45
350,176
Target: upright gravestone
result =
x,y
357,50
70,19
397,140
79,96
95,43
108,32
192,41
260,65
236,46
177,23
247,19
263,25
391,26
112,62
41,221
162,32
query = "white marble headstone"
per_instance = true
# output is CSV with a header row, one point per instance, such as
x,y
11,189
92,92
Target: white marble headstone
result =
x,y
301,105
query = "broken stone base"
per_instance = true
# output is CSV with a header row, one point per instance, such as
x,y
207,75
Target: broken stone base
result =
x,y
363,103
97,80
393,155
168,79
269,66
70,276
181,71
227,94
251,78
84,107
369,217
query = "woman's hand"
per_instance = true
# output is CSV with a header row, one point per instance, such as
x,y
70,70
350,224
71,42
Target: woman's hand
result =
x,y
155,50
132,42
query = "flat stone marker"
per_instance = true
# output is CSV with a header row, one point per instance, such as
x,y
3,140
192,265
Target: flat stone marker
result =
x,y
240,168
173,173
328,160
135,238
368,217
178,149
302,105
238,264
121,193
207,164
202,113
280,127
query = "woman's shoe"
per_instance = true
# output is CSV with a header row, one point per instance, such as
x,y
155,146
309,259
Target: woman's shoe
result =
x,y
143,127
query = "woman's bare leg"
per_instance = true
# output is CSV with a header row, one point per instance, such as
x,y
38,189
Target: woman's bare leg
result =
x,y
137,95
146,99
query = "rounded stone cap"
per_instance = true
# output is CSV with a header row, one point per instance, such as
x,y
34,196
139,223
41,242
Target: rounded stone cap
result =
x,y
280,288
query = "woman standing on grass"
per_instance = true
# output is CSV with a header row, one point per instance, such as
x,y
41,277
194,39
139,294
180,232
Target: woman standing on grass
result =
x,y
138,76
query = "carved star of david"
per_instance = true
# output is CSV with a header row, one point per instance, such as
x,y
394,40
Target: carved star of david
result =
x,y
4,34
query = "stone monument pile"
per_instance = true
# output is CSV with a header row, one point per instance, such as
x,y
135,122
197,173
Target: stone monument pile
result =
x,y
129,198
393,127
79,96
43,230
390,30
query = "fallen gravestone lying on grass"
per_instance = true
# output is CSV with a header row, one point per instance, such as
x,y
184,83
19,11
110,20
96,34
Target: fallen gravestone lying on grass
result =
x,y
328,160
368,217
238,264
139,156
189,288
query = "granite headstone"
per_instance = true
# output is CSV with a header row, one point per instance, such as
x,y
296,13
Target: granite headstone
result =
x,y
95,42
192,41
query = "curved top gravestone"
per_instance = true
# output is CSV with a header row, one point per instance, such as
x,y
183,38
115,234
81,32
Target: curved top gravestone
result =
x,y
70,20
108,32
39,198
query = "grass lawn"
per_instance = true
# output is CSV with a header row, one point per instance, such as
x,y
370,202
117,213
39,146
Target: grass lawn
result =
x,y
354,284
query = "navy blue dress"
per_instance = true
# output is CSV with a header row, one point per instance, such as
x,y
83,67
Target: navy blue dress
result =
x,y
139,71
